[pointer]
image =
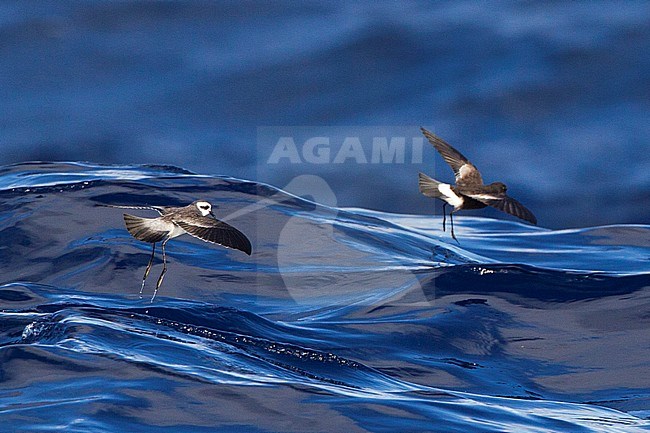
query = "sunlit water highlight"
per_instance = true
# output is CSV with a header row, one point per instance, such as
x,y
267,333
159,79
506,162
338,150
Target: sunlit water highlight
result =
x,y
341,320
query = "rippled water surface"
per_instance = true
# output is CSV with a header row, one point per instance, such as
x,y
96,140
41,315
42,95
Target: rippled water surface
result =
x,y
341,319
552,98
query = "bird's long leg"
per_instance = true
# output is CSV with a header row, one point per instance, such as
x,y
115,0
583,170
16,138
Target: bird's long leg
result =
x,y
146,272
164,270
444,215
451,218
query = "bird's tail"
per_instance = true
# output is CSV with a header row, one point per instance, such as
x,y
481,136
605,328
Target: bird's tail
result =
x,y
140,228
429,186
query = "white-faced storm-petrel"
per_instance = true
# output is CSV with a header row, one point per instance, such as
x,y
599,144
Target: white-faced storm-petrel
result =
x,y
195,219
469,192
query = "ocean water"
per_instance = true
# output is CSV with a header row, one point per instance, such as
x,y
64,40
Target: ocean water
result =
x,y
551,98
342,319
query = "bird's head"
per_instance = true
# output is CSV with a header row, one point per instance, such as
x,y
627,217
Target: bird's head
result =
x,y
500,187
204,207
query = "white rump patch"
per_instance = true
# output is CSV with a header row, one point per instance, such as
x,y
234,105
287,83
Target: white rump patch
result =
x,y
449,195
158,225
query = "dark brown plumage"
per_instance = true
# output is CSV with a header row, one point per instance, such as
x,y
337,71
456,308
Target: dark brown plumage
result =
x,y
469,192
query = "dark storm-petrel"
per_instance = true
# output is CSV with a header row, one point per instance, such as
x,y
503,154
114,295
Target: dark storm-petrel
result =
x,y
469,192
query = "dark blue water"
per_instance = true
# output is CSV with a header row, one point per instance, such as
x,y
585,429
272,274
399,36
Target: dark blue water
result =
x,y
340,320
551,98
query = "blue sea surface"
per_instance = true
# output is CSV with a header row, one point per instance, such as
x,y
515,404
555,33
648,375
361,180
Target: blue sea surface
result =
x,y
342,319
551,98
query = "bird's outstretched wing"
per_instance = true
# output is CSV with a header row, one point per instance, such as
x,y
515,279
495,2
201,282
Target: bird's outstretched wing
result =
x,y
145,229
466,173
505,204
158,209
217,232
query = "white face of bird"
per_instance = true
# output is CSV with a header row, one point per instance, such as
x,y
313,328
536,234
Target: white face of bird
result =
x,y
204,207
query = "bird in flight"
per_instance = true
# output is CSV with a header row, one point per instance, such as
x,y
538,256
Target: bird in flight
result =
x,y
469,192
195,219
